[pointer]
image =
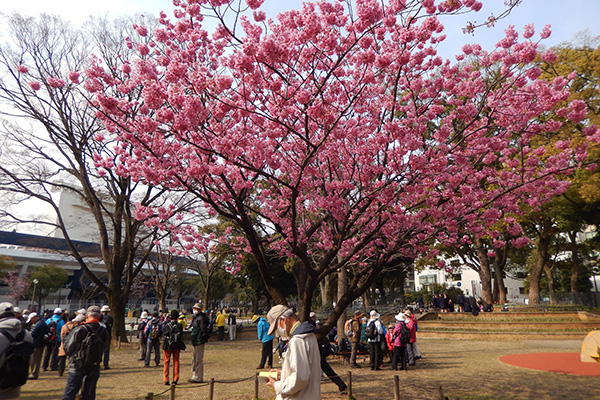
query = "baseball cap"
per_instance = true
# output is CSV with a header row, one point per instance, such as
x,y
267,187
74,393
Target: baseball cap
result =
x,y
31,316
6,308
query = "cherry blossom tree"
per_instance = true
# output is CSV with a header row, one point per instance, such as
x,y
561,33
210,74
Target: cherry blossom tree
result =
x,y
17,286
335,135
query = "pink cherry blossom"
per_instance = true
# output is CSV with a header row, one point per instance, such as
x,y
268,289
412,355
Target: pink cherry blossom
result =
x,y
55,82
23,69
74,76
254,4
528,31
545,32
343,136
34,85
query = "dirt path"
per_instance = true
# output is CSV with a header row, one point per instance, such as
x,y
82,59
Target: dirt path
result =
x,y
465,369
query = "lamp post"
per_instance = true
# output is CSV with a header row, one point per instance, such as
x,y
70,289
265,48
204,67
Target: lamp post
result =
x,y
35,282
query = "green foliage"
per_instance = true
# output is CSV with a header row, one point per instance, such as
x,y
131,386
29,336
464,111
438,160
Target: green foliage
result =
x,y
250,283
6,264
50,277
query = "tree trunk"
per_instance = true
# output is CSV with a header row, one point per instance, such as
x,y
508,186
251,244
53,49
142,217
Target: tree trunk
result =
x,y
305,300
329,291
323,289
341,289
495,288
574,268
551,292
499,263
485,273
541,259
117,302
206,292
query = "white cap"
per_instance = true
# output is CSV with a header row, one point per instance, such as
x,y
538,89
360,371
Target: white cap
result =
x,y
6,308
31,316
58,310
81,311
105,309
144,315
79,318
17,310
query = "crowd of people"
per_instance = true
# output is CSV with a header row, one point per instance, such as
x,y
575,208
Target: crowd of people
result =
x,y
397,341
83,339
468,304
30,341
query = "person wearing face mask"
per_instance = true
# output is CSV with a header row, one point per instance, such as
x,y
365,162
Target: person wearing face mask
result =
x,y
200,334
300,375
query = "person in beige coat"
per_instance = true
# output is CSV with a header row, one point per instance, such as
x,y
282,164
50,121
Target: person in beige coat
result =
x,y
300,376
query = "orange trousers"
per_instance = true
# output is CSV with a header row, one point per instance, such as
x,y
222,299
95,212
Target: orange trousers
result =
x,y
167,355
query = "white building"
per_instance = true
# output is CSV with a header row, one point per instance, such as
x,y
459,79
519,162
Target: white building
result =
x,y
468,281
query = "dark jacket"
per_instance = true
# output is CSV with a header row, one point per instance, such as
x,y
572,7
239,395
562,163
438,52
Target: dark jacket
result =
x,y
169,329
76,337
108,321
200,329
39,329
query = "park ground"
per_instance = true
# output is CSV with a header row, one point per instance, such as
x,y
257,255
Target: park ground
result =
x,y
465,369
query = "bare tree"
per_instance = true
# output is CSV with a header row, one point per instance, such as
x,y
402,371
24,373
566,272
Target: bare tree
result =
x,y
53,143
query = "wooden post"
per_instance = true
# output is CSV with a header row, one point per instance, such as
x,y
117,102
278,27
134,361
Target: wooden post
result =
x,y
211,389
150,396
396,387
172,392
349,385
256,386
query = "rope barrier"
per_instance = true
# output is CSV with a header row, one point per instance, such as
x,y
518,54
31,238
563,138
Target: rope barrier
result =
x,y
350,377
235,381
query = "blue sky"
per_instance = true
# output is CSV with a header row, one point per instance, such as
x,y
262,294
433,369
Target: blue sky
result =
x,y
567,17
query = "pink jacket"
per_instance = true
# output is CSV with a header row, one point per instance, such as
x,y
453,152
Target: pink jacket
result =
x,y
413,331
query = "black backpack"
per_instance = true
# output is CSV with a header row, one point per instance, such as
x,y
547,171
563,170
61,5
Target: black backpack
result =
x,y
371,330
14,362
174,340
404,333
91,348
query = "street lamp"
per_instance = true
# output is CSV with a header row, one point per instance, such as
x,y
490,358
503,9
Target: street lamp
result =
x,y
35,282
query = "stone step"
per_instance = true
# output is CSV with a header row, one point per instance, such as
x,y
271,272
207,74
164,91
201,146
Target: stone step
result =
x,y
508,325
471,335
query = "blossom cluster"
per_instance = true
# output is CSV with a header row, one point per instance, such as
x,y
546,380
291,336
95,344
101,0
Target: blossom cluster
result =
x,y
341,132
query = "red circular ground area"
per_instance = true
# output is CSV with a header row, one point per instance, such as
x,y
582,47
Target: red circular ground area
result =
x,y
564,363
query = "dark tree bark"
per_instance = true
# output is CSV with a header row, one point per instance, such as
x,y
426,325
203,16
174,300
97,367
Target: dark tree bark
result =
x,y
575,268
485,272
541,258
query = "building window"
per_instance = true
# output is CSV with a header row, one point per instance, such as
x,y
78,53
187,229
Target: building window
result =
x,y
457,277
427,279
521,275
521,290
